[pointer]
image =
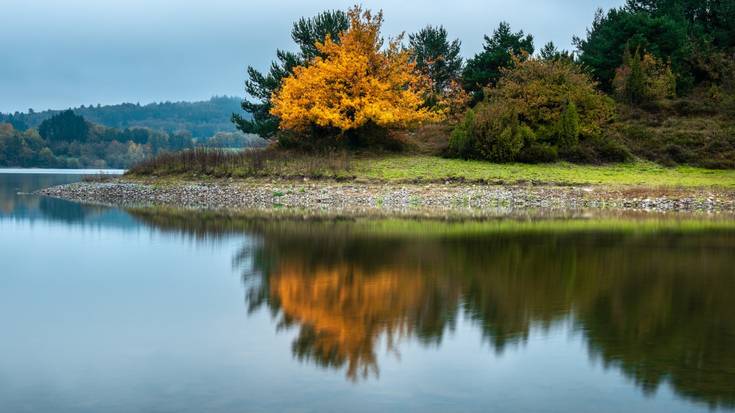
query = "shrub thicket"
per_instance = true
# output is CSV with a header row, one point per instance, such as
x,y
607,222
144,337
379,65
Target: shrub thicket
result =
x,y
539,108
461,141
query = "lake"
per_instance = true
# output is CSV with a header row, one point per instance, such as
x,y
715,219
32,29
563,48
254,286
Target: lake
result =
x,y
105,310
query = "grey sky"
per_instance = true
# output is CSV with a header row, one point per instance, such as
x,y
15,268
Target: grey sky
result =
x,y
58,54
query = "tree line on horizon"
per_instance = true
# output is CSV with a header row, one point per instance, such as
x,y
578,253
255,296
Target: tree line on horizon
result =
x,y
202,119
68,140
653,79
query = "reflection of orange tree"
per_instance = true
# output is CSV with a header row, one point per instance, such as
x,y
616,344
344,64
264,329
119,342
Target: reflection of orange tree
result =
x,y
346,293
657,306
343,311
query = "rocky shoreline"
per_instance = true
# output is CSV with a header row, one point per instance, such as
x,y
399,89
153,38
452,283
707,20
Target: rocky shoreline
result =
x,y
391,199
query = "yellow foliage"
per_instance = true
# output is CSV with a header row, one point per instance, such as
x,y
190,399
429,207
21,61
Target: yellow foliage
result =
x,y
538,91
355,83
349,309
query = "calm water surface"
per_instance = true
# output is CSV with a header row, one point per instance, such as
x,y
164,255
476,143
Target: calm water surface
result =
x,y
104,310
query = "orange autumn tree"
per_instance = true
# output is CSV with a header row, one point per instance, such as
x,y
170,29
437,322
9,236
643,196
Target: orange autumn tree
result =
x,y
354,83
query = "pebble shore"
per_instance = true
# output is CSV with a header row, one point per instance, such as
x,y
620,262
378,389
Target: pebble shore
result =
x,y
391,199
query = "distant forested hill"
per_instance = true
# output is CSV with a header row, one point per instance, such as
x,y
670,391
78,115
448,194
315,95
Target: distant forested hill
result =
x,y
201,119
67,140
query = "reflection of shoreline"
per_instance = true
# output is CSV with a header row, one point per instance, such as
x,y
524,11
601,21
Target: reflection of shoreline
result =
x,y
217,223
17,201
650,298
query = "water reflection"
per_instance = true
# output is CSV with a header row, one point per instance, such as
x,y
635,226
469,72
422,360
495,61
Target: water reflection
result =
x,y
654,302
18,202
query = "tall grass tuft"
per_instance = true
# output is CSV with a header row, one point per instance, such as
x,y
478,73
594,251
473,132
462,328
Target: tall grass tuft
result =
x,y
249,163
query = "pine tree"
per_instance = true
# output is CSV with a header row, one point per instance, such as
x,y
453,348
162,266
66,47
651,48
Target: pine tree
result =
x,y
569,127
550,52
306,33
636,82
435,56
486,67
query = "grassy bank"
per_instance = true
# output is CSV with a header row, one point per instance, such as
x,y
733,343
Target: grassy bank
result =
x,y
638,173
420,168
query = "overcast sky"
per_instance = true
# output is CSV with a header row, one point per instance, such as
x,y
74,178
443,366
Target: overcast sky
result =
x,y
58,54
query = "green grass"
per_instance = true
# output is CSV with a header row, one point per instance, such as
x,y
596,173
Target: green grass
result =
x,y
427,168
199,165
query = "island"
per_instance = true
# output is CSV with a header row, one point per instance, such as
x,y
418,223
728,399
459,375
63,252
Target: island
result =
x,y
359,125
